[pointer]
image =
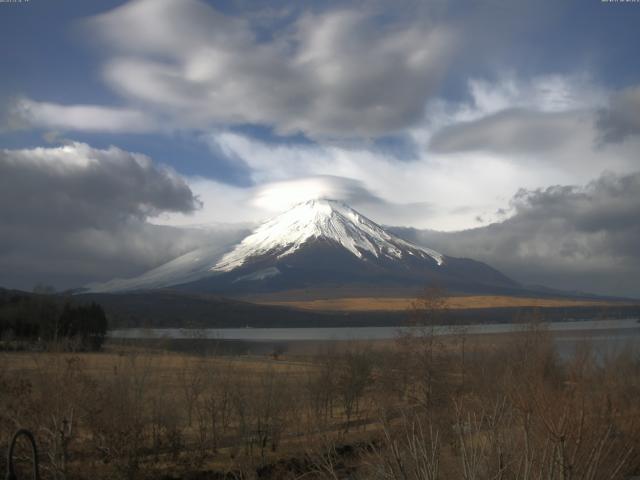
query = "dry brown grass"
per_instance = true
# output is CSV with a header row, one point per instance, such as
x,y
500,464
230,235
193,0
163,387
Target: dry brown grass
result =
x,y
370,304
162,366
114,413
481,407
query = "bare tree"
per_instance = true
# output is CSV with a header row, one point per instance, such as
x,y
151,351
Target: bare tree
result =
x,y
321,388
191,379
426,313
411,452
354,375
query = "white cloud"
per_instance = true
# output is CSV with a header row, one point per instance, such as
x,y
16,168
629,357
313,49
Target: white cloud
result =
x,y
221,203
341,73
444,192
511,134
550,95
546,93
515,131
91,118
229,204
278,196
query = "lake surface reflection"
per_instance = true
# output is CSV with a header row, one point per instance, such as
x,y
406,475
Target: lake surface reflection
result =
x,y
605,337
613,329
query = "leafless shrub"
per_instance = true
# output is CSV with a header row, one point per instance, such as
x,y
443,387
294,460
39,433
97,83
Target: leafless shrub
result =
x,y
117,415
324,460
321,387
214,407
353,377
164,430
191,378
422,344
484,440
260,410
410,451
59,391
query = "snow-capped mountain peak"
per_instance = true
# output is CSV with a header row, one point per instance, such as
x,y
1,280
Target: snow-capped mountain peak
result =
x,y
317,244
328,220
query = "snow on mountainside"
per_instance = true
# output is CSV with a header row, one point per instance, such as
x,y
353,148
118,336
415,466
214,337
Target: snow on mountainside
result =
x,y
190,266
328,221
321,219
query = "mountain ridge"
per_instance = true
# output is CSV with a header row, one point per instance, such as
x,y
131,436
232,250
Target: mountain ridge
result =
x,y
328,219
318,242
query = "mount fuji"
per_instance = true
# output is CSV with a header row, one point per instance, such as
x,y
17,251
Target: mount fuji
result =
x,y
318,243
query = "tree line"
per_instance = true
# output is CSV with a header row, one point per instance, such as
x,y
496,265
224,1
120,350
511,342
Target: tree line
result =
x,y
34,318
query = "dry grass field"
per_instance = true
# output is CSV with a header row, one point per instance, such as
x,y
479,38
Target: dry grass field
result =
x,y
456,302
420,407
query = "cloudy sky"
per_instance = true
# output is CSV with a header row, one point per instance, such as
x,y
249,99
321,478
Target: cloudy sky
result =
x,y
503,130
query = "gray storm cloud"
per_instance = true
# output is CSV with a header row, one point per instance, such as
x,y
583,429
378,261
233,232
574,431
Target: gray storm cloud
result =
x,y
79,185
75,213
565,237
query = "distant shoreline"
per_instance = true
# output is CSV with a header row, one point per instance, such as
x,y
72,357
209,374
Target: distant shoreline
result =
x,y
373,304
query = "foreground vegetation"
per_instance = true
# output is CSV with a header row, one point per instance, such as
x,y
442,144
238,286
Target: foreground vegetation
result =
x,y
422,408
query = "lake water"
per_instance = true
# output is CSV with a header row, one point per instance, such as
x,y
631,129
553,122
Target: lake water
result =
x,y
613,328
574,330
605,336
